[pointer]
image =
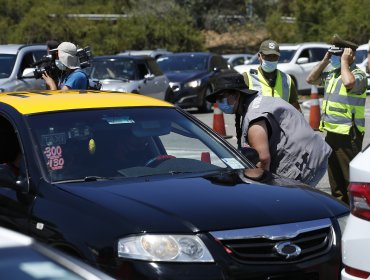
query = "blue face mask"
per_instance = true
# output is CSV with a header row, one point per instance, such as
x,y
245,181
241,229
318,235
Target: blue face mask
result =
x,y
269,66
60,65
335,61
224,106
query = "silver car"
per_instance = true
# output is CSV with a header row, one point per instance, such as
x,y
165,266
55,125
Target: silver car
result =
x,y
136,74
14,60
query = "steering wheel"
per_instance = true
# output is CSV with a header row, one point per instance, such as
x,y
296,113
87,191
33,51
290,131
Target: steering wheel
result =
x,y
153,162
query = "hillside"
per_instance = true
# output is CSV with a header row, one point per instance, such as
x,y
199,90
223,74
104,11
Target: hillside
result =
x,y
235,41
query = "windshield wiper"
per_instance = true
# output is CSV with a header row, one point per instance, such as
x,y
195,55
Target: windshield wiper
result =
x,y
96,178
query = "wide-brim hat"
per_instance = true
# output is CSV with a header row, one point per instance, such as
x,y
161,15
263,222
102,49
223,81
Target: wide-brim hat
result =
x,y
229,81
337,41
67,53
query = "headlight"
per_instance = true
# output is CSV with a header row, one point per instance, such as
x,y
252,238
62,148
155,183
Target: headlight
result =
x,y
168,248
342,221
193,84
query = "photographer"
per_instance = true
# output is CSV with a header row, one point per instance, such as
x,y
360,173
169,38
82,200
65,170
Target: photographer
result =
x,y
68,62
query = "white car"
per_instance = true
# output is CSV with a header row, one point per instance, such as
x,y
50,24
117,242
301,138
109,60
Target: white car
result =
x,y
237,58
361,62
297,60
356,237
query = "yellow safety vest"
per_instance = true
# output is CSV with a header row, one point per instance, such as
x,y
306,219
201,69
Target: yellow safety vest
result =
x,y
340,109
257,81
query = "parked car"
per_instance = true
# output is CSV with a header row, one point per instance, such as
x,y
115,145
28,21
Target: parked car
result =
x,y
21,257
191,77
142,189
237,58
297,60
362,62
152,53
14,59
356,237
136,74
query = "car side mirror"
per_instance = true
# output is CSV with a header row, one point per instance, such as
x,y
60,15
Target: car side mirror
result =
x,y
149,77
251,154
9,180
28,73
302,60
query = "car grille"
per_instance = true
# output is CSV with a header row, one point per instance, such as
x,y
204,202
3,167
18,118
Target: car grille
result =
x,y
260,245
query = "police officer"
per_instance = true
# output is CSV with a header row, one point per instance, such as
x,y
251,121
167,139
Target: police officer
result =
x,y
343,110
267,79
285,142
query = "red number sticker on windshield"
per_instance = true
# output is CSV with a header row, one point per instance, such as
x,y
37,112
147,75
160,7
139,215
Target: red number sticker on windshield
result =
x,y
54,156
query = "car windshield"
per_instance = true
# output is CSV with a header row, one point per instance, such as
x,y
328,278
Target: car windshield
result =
x,y
361,55
126,142
189,62
6,65
115,69
285,57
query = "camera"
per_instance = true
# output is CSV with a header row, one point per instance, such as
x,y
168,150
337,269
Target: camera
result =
x,y
84,55
47,63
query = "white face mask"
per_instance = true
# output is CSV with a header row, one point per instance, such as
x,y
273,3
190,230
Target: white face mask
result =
x,y
269,66
60,65
335,61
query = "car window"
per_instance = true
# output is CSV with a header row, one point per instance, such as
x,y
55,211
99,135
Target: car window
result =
x,y
189,62
317,54
217,62
142,70
154,68
39,54
117,69
305,53
127,142
238,61
7,62
27,62
361,55
286,55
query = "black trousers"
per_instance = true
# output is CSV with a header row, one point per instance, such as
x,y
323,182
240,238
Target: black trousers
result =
x,y
345,148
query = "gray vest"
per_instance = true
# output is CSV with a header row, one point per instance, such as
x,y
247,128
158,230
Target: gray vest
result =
x,y
296,151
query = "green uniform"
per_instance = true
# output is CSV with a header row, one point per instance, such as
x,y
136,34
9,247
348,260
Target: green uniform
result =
x,y
343,118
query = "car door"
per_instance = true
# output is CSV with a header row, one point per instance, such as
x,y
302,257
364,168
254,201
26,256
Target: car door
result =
x,y
27,58
14,204
154,83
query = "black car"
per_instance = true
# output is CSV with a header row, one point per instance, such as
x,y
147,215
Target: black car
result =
x,y
141,189
191,77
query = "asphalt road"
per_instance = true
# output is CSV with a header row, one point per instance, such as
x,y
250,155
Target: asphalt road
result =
x,y
230,131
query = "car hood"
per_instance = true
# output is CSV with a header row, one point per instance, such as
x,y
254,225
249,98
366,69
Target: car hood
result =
x,y
185,76
204,203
